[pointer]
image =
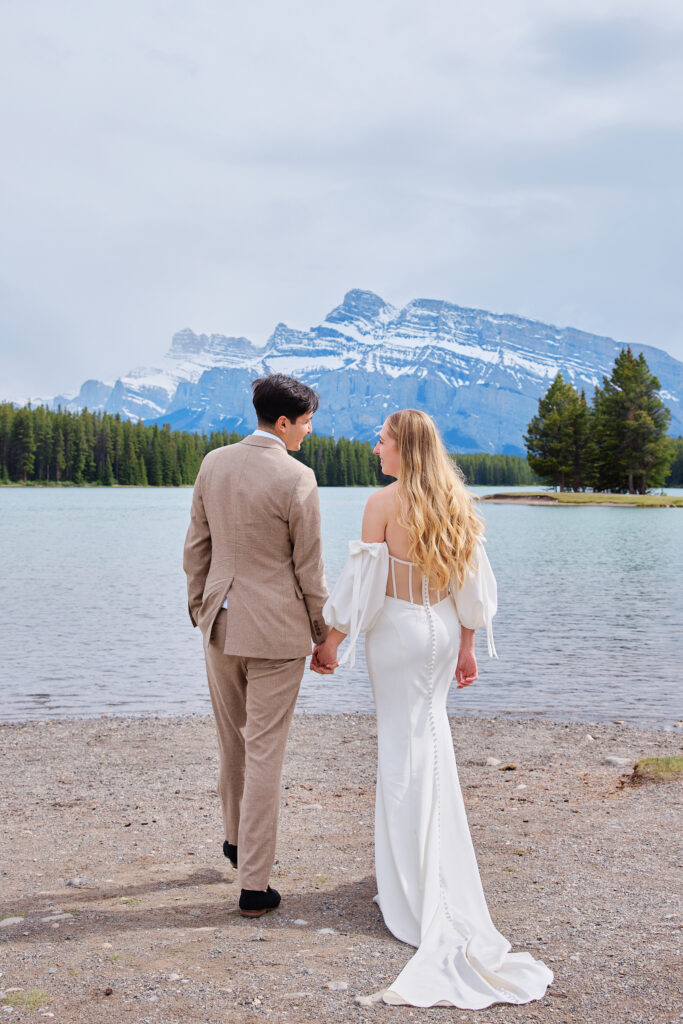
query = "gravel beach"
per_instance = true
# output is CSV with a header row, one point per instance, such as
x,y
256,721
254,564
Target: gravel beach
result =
x,y
117,904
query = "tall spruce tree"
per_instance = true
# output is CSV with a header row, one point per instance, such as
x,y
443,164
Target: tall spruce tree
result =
x,y
23,443
42,427
630,449
556,438
581,443
59,449
6,418
78,451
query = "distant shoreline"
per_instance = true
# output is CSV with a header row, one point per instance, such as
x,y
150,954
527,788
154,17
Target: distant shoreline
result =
x,y
584,499
538,498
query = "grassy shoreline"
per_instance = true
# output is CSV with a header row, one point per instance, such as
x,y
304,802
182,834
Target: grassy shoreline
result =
x,y
585,498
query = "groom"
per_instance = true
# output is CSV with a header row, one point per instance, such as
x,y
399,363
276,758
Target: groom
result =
x,y
256,589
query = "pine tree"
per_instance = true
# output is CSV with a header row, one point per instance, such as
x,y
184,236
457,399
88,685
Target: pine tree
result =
x,y
104,449
117,445
155,471
89,469
78,451
581,426
342,463
59,450
6,418
556,441
128,469
631,451
42,427
23,444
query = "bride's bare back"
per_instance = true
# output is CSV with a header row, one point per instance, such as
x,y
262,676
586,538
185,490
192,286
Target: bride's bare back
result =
x,y
380,523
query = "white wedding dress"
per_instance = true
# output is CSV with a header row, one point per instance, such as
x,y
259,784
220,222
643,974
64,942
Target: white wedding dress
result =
x,y
429,890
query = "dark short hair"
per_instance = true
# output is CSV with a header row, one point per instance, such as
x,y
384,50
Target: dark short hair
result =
x,y
278,395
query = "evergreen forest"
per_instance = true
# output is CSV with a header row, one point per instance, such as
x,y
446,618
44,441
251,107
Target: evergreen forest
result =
x,y
482,470
43,446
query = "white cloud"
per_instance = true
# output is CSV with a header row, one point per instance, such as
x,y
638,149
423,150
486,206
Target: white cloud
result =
x,y
224,167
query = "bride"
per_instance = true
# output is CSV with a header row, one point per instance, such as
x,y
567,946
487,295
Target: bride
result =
x,y
419,584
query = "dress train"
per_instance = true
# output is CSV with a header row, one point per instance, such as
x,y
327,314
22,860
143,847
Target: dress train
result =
x,y
429,888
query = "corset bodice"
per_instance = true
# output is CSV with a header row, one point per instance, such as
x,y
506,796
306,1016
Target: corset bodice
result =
x,y
405,582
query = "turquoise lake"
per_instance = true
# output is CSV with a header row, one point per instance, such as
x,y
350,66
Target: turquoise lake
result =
x,y
93,615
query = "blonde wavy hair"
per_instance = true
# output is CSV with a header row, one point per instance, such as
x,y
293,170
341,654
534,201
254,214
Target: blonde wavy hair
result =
x,y
434,505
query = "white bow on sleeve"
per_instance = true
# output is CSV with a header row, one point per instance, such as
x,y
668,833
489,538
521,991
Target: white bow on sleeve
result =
x,y
358,595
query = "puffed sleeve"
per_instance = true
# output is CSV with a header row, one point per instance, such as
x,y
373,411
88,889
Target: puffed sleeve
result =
x,y
476,602
358,596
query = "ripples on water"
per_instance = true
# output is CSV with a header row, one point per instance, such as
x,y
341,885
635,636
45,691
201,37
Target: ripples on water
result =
x,y
93,614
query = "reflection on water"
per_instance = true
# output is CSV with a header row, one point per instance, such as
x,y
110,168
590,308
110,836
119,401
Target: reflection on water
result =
x,y
93,616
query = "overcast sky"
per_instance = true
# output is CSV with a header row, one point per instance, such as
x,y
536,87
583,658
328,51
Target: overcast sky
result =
x,y
227,165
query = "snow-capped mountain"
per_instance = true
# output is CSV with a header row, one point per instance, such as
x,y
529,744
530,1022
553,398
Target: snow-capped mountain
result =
x,y
479,374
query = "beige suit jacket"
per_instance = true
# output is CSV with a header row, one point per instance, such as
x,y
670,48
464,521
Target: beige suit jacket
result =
x,y
254,536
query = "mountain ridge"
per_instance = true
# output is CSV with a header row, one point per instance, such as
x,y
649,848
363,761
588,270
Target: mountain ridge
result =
x,y
479,374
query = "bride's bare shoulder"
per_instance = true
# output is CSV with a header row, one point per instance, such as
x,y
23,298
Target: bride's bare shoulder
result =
x,y
383,497
378,511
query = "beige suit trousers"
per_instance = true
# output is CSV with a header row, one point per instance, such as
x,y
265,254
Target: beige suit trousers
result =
x,y
253,701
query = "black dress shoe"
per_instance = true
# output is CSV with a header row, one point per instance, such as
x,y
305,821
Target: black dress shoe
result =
x,y
230,852
254,903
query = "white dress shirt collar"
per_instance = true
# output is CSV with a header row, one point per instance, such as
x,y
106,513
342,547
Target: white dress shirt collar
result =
x,y
266,433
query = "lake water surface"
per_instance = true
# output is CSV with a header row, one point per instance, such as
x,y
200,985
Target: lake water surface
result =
x,y
93,615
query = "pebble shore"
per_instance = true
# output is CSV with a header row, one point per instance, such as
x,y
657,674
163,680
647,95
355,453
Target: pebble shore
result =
x,y
117,904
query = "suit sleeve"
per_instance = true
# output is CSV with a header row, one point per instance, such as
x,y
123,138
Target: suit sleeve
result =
x,y
304,530
197,552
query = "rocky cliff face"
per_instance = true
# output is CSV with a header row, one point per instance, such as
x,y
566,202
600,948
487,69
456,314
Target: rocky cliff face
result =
x,y
479,374
93,395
